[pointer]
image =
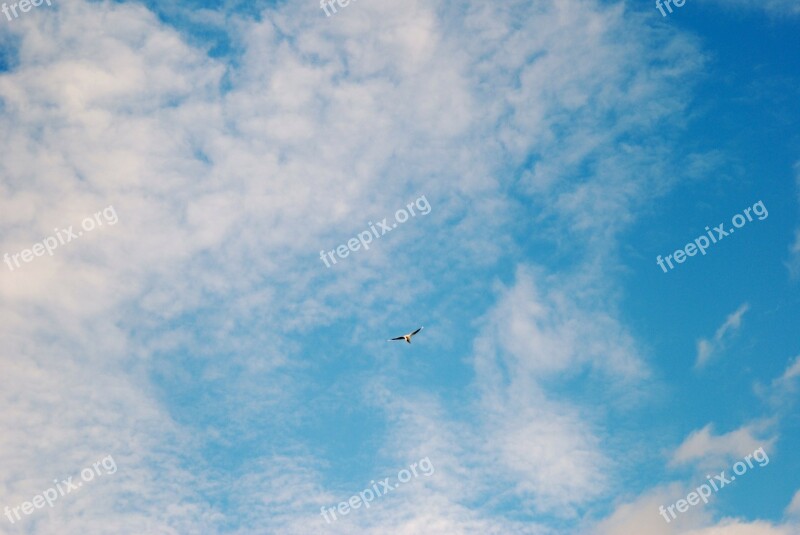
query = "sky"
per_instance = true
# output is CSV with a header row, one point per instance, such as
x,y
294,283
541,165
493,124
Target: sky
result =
x,y
214,215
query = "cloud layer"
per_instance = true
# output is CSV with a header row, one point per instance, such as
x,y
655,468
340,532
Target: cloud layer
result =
x,y
183,340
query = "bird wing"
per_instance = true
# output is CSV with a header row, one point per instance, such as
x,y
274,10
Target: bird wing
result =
x,y
398,338
415,332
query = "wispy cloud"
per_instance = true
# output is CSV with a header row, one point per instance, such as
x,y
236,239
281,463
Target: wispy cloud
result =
x,y
536,336
791,373
794,255
201,344
793,509
640,515
780,392
708,450
793,263
708,348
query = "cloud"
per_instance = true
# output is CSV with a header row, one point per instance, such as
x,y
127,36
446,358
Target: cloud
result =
x,y
793,509
520,445
707,452
535,338
794,252
791,373
641,515
782,389
180,341
631,521
738,527
793,263
706,348
716,451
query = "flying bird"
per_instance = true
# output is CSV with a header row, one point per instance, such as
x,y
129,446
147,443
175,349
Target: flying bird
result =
x,y
406,337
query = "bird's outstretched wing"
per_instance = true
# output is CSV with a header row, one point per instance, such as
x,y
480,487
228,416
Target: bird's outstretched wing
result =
x,y
415,332
398,338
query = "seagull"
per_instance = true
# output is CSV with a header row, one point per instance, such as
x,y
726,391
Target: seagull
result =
x,y
406,337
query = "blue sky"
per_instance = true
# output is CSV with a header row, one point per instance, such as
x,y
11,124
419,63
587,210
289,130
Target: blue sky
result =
x,y
563,382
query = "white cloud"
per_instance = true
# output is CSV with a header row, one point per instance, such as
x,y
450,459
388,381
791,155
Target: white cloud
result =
x,y
549,448
738,527
793,509
716,451
794,255
793,263
781,390
706,349
520,444
642,515
229,178
791,373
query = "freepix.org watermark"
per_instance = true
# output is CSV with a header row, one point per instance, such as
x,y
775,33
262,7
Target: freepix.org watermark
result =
x,y
367,495
702,243
660,7
325,4
64,236
24,6
365,238
703,492
65,487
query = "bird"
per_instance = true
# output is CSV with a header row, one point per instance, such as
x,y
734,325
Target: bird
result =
x,y
406,337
